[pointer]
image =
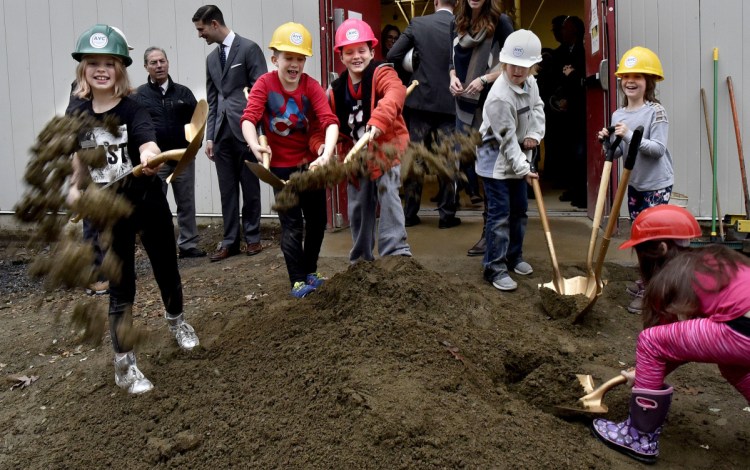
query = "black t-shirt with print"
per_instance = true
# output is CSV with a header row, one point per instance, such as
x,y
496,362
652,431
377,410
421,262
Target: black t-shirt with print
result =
x,y
122,150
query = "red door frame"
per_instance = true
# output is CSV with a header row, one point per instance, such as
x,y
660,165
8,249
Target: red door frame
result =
x,y
601,91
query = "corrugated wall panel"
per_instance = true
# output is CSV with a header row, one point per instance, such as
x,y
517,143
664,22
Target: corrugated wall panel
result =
x,y
683,33
36,68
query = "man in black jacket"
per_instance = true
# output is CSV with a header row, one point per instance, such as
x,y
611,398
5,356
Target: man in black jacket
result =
x,y
432,109
171,106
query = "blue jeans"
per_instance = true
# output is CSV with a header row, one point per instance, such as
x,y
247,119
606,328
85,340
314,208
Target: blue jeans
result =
x,y
505,228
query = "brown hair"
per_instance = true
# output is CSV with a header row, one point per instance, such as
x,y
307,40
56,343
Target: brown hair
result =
x,y
489,16
649,94
671,292
122,82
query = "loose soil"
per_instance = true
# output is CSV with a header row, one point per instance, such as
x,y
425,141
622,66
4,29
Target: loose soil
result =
x,y
399,363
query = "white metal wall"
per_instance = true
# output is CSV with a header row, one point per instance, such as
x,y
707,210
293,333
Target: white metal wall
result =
x,y
36,69
684,33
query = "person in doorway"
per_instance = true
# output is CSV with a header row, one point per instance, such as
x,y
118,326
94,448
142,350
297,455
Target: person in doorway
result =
x,y
104,85
695,310
369,97
171,106
234,65
512,127
388,38
432,110
479,32
568,109
652,178
286,103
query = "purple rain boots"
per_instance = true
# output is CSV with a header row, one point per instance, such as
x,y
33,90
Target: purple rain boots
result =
x,y
637,436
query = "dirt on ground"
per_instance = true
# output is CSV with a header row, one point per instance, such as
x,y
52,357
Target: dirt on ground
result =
x,y
398,363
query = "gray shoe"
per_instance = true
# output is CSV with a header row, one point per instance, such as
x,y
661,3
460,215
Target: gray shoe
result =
x,y
182,331
636,306
128,376
505,283
523,268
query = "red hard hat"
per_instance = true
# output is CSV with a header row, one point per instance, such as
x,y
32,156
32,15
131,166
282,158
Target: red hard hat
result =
x,y
663,222
353,31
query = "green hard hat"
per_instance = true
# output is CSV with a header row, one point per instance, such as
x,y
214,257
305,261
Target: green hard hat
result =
x,y
102,39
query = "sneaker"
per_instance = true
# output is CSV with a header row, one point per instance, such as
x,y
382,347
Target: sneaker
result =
x,y
182,332
315,279
635,288
98,288
523,268
505,283
129,377
301,289
636,305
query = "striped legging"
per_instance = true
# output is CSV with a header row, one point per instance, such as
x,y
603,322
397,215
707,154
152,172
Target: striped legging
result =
x,y
661,349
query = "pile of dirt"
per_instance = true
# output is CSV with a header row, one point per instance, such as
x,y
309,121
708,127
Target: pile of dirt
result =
x,y
389,365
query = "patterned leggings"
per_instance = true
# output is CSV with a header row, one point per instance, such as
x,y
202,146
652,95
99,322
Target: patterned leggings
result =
x,y
661,349
640,200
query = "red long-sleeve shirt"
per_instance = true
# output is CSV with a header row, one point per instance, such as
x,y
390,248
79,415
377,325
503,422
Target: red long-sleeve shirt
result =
x,y
286,117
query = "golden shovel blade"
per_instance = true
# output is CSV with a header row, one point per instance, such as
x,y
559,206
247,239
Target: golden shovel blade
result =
x,y
194,134
265,175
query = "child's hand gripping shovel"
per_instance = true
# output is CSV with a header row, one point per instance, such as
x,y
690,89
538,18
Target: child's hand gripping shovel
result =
x,y
635,142
263,170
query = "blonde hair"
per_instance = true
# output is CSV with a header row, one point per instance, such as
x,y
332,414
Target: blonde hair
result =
x,y
533,70
122,81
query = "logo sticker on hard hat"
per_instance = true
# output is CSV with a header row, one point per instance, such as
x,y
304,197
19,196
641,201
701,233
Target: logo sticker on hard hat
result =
x,y
352,34
295,38
518,52
98,40
631,61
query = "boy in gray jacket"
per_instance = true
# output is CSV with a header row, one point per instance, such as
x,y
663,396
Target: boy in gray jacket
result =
x,y
512,126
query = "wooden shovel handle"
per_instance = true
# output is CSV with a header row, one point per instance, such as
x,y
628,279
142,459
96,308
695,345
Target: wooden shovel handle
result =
x,y
263,140
157,160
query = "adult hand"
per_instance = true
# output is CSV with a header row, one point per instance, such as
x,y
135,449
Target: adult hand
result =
x,y
603,134
475,87
210,149
455,86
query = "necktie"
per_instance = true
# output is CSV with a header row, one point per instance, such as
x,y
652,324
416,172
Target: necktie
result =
x,y
222,56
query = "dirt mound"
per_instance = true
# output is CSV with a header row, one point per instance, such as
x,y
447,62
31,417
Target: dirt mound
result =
x,y
389,365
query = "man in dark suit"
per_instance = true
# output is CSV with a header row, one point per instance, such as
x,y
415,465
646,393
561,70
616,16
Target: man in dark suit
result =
x,y
235,64
432,109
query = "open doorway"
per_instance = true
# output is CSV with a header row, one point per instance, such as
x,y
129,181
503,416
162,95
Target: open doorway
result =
x,y
564,161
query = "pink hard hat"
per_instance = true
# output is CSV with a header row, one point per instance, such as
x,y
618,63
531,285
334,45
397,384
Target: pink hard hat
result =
x,y
353,31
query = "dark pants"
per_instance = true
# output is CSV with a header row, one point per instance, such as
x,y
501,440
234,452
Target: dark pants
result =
x,y
183,189
229,156
471,185
426,127
302,230
153,220
91,235
507,204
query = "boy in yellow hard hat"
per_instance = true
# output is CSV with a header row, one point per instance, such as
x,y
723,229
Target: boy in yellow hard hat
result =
x,y
285,103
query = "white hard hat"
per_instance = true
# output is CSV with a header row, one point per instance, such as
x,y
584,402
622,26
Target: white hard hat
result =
x,y
407,63
522,48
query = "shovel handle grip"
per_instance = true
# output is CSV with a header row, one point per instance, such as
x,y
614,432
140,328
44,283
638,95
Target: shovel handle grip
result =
x,y
358,146
263,140
174,155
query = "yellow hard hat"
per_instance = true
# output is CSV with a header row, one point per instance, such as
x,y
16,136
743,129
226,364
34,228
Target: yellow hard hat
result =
x,y
640,60
292,37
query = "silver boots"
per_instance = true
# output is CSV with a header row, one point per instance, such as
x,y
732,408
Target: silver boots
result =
x,y
182,331
128,376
